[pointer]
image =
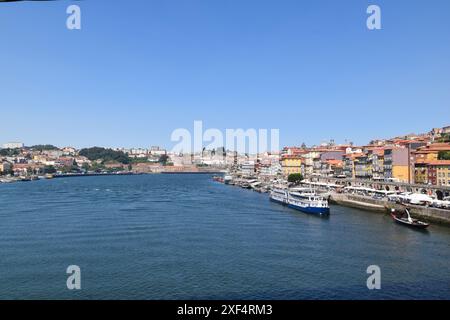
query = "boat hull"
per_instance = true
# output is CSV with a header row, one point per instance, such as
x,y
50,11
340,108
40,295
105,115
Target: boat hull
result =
x,y
311,210
316,208
278,201
409,224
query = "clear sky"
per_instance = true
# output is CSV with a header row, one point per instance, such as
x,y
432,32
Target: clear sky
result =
x,y
140,69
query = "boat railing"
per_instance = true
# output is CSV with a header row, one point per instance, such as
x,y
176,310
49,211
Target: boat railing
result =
x,y
310,201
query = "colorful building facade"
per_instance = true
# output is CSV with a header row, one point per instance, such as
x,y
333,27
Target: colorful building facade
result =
x,y
291,164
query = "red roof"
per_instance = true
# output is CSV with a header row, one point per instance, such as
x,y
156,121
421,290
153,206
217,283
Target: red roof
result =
x,y
335,162
379,152
291,156
353,155
439,163
435,147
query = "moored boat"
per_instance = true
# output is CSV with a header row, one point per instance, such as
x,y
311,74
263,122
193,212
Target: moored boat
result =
x,y
308,202
301,199
227,179
407,220
279,195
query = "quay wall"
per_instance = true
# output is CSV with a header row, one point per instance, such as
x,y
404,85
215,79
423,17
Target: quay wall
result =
x,y
435,215
359,202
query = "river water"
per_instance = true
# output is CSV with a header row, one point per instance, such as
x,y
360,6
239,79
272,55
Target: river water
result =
x,y
187,237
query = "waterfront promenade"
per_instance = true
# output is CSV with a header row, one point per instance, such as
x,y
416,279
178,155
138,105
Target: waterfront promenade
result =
x,y
430,214
438,191
335,190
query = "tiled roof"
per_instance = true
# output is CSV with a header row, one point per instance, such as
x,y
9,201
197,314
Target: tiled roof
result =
x,y
434,147
439,163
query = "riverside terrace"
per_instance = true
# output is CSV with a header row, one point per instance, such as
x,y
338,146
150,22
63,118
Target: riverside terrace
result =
x,y
439,192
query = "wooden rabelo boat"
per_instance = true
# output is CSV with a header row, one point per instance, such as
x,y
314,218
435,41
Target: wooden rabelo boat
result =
x,y
404,217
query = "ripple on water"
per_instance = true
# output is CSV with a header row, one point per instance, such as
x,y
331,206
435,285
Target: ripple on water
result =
x,y
184,236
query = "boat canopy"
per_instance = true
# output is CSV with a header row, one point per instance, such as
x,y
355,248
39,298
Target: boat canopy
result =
x,y
322,184
361,189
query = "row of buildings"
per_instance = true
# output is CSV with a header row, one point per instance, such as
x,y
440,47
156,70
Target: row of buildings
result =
x,y
152,154
25,161
18,160
420,159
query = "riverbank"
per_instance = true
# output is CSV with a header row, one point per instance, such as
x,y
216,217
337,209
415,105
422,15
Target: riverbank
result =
x,y
96,174
55,176
93,174
368,203
429,214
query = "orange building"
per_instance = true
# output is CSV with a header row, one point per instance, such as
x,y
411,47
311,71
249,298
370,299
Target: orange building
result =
x,y
430,152
428,168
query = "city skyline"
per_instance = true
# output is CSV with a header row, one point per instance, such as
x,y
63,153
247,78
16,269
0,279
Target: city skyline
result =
x,y
330,142
421,159
133,74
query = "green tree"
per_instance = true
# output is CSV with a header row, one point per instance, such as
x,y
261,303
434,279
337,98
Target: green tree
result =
x,y
163,159
444,155
44,147
9,152
105,155
7,172
445,137
139,160
70,169
295,177
49,169
97,167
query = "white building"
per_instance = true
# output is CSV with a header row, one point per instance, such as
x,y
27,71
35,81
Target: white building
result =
x,y
157,151
53,153
138,151
80,160
13,145
271,170
180,159
248,168
69,151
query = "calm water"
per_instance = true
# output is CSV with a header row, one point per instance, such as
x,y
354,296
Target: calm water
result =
x,y
185,236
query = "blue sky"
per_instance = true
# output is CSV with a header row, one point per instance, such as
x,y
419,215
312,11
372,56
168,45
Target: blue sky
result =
x,y
140,69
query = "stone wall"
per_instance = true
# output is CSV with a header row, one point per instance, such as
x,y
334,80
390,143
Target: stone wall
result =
x,y
436,215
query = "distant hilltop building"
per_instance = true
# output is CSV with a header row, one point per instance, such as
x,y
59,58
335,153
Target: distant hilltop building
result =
x,y
437,133
13,145
157,151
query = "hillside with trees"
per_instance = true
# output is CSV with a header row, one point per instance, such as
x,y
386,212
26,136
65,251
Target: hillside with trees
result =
x,y
44,147
9,152
105,155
